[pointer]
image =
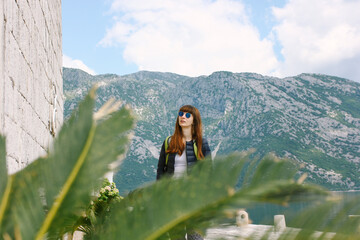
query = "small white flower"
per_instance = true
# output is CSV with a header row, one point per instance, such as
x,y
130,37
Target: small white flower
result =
x,y
102,190
108,188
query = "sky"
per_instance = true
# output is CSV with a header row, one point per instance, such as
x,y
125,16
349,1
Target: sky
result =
x,y
198,37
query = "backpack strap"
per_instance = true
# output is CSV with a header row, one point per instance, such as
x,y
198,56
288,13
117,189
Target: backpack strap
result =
x,y
167,141
196,150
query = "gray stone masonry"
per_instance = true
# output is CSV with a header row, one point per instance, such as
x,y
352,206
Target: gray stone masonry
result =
x,y
31,87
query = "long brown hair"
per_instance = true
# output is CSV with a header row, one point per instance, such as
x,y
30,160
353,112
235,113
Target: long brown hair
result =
x,y
176,143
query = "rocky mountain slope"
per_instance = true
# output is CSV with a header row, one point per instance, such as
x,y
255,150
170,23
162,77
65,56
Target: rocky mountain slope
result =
x,y
313,119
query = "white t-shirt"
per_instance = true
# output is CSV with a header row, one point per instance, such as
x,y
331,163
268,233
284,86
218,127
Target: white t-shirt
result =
x,y
180,165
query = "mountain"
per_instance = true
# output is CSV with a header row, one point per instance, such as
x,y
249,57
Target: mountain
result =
x,y
311,118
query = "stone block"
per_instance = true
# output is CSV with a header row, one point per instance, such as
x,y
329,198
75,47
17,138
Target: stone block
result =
x,y
45,133
12,164
9,97
46,12
24,41
279,223
19,108
31,128
8,14
48,86
25,11
32,7
12,56
30,89
23,78
16,19
46,137
44,111
36,98
38,128
27,118
23,148
32,150
12,134
32,60
39,20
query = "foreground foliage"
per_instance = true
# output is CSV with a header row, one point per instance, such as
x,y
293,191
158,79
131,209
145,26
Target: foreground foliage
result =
x,y
50,197
99,211
46,198
207,194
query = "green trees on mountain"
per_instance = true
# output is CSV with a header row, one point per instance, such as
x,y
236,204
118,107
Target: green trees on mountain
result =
x,y
50,197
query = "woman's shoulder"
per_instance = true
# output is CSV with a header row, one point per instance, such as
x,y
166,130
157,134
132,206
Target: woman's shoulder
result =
x,y
167,140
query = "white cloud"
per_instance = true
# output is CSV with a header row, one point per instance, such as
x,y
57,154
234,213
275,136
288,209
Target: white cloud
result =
x,y
320,36
75,63
191,37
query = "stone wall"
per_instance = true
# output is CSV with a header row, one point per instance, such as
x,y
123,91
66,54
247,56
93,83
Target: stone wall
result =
x,y
31,88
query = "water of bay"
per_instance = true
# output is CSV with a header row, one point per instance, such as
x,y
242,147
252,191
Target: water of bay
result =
x,y
261,213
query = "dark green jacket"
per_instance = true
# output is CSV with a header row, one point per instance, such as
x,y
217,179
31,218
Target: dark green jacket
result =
x,y
190,158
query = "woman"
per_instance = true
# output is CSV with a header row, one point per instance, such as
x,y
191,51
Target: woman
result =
x,y
183,144
184,148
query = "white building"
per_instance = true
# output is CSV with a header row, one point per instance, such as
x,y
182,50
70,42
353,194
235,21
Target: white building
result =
x,y
31,87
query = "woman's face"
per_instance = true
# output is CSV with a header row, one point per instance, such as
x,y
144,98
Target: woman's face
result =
x,y
184,121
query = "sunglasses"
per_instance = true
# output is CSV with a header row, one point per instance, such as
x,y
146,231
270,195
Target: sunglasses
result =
x,y
187,115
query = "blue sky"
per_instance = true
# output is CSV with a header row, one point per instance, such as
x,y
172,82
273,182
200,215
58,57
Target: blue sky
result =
x,y
84,24
197,37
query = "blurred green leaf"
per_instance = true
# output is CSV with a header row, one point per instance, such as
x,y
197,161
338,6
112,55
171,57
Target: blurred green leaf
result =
x,y
48,195
3,168
195,201
5,187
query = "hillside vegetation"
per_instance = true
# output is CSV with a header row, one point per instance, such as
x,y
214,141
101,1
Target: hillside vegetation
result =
x,y
313,119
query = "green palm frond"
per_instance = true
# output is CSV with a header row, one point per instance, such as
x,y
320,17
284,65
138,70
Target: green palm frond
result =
x,y
5,183
3,171
266,170
48,196
195,201
335,217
